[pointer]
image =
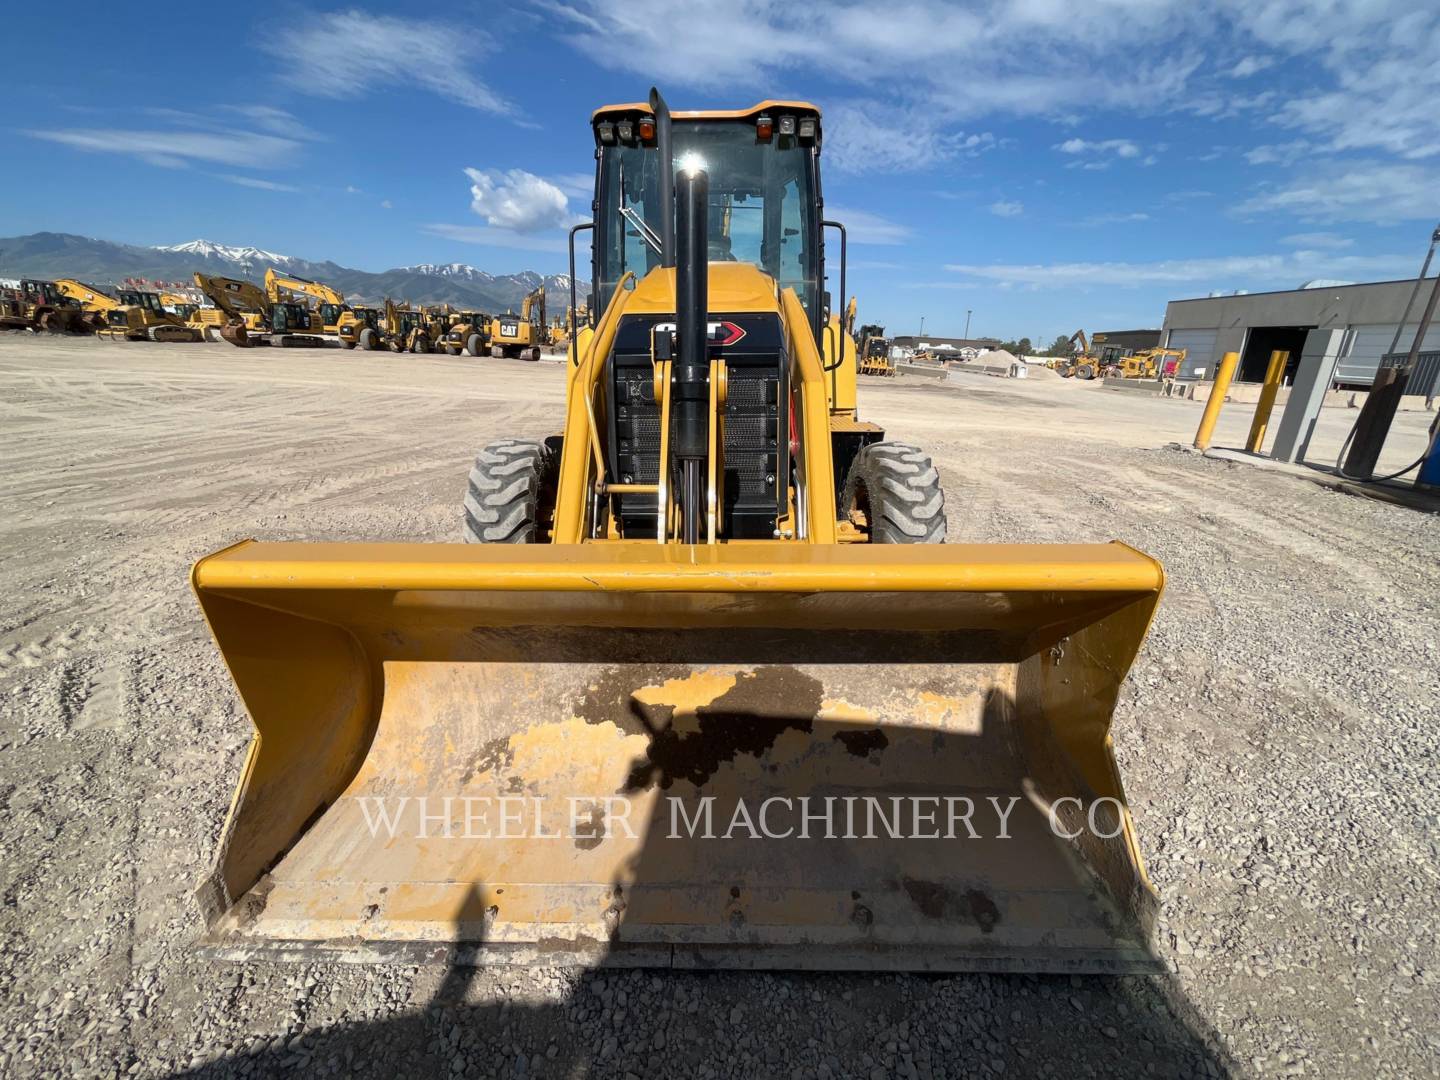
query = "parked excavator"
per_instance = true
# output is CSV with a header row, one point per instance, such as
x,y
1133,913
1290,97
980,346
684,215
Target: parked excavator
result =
x,y
520,335
252,318
704,687
329,305
129,314
38,305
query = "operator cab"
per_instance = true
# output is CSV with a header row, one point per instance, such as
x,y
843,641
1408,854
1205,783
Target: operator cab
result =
x,y
137,298
764,201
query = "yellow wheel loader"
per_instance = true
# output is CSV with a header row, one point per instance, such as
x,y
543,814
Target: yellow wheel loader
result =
x,y
703,688
43,306
468,333
352,324
520,335
130,314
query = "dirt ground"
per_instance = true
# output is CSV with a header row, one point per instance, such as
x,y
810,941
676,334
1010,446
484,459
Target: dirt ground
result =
x,y
1278,738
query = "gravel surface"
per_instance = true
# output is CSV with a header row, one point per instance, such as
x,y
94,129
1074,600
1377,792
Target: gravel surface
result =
x,y
1277,737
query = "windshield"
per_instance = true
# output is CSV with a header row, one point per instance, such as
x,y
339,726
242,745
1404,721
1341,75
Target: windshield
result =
x,y
148,300
762,206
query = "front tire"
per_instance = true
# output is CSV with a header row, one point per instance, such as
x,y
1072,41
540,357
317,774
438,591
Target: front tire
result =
x,y
369,339
896,489
510,498
473,345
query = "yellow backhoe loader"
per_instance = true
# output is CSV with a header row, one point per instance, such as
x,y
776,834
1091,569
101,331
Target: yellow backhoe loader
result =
x,y
520,335
704,688
38,305
329,305
1150,363
252,318
130,314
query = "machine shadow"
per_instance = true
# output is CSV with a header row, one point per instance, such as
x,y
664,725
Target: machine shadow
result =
x,y
767,739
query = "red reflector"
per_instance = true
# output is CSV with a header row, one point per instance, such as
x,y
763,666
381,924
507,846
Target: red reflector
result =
x,y
727,333
764,128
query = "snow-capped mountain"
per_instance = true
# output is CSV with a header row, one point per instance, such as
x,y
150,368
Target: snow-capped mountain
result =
x,y
56,255
208,249
462,271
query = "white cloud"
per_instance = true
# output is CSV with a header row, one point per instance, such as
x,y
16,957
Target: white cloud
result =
x,y
1289,268
1116,219
493,237
343,54
1376,192
1360,74
1006,209
1119,147
578,185
1317,240
517,200
868,137
1279,153
1250,65
863,227
245,149
386,204
255,182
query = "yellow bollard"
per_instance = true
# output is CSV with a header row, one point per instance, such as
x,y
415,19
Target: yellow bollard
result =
x,y
1274,375
1216,399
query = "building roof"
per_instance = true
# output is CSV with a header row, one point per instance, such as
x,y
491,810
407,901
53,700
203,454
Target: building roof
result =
x,y
1281,292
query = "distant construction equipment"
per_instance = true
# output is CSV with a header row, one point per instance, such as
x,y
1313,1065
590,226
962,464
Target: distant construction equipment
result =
x,y
520,336
253,319
37,305
129,314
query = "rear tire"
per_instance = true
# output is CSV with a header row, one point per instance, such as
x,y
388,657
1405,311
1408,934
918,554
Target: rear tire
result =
x,y
421,344
473,345
347,344
510,498
897,488
1085,371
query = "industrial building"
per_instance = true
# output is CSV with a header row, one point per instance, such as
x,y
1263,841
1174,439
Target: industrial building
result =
x,y
1253,324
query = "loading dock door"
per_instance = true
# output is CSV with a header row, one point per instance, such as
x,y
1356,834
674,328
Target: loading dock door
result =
x,y
1369,342
1262,341
1200,352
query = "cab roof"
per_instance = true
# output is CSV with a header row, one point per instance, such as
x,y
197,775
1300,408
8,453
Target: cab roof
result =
x,y
709,114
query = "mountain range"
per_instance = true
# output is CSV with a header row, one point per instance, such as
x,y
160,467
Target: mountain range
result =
x,y
102,262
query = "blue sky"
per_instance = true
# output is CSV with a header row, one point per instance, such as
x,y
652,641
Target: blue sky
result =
x,y
1045,164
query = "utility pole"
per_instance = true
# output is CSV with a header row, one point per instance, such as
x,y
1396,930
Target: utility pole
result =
x,y
922,325
967,324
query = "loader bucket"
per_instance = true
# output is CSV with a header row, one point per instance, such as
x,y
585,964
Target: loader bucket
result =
x,y
762,755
